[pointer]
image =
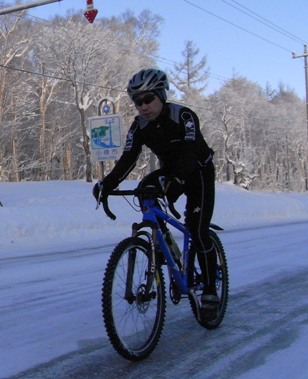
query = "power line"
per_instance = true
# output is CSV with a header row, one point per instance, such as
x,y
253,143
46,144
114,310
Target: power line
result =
x,y
172,63
264,21
157,57
58,78
119,90
236,26
54,77
258,18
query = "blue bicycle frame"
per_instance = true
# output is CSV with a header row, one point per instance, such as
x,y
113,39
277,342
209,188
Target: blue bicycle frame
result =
x,y
151,214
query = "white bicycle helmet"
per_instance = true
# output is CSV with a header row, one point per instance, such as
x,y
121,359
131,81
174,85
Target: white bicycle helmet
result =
x,y
149,80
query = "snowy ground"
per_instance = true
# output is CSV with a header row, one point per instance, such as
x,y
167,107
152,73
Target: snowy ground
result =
x,y
43,216
46,226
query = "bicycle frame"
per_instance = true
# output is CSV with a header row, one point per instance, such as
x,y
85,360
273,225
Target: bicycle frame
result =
x,y
151,214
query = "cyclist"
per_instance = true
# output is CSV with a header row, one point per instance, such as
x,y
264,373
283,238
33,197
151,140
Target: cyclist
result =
x,y
173,134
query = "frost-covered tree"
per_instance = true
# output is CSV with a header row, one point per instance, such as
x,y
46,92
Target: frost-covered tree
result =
x,y
190,76
54,74
97,60
290,114
16,37
259,140
236,114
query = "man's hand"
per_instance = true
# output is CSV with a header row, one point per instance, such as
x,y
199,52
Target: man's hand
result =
x,y
103,187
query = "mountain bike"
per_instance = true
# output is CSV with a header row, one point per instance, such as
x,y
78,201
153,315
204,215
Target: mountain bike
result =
x,y
134,284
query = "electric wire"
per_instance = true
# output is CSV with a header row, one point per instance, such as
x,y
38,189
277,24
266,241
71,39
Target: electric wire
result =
x,y
157,57
258,18
211,109
60,78
236,26
266,22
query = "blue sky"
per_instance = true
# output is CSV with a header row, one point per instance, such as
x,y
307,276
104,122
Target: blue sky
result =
x,y
252,38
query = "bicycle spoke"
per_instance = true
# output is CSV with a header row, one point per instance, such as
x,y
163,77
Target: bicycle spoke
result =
x,y
133,323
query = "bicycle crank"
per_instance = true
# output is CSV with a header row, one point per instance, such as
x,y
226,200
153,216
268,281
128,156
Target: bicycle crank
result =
x,y
174,293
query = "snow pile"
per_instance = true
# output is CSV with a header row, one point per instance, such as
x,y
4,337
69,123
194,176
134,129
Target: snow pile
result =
x,y
61,214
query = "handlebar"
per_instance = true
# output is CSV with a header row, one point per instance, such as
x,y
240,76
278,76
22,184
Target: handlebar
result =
x,y
139,192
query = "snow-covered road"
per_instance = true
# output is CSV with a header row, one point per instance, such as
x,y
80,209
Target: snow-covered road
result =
x,y
51,316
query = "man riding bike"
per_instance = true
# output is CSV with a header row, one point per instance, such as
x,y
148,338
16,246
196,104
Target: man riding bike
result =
x,y
173,134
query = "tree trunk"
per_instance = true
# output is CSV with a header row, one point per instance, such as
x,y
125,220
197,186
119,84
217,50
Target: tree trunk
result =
x,y
86,147
15,160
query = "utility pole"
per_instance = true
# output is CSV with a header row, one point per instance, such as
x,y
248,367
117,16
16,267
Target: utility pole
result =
x,y
21,7
305,55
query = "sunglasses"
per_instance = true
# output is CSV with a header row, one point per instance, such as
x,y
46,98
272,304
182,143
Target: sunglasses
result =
x,y
147,99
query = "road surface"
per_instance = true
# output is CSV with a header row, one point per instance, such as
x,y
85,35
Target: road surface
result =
x,y
51,318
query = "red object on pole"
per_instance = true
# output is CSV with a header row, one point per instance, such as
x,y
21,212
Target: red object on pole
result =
x,y
90,13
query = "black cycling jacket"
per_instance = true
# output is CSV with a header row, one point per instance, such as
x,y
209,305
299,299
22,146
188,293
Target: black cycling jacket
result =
x,y
174,137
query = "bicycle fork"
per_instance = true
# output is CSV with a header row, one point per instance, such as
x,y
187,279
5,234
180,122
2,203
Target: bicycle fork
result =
x,y
144,292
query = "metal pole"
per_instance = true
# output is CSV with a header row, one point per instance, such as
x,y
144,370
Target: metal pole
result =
x,y
305,55
22,7
306,80
106,105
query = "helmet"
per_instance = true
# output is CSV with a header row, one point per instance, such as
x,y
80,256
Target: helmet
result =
x,y
148,80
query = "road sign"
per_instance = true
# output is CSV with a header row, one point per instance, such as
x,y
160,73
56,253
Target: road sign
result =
x,y
105,136
90,13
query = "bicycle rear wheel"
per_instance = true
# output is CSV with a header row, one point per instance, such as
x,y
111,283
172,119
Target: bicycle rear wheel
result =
x,y
133,316
222,282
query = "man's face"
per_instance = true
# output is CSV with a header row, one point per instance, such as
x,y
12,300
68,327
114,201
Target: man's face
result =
x,y
148,105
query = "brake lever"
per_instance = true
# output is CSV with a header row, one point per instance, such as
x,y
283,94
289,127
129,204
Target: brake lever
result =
x,y
106,208
100,186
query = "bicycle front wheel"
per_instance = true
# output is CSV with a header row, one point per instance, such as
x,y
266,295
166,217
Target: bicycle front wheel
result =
x,y
133,312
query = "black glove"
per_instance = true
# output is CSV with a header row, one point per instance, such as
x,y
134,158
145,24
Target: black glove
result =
x,y
106,185
174,188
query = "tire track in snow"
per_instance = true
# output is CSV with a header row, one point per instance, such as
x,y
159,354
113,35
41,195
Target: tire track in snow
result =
x,y
261,319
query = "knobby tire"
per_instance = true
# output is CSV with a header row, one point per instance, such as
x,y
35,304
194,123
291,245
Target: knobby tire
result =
x,y
133,325
222,282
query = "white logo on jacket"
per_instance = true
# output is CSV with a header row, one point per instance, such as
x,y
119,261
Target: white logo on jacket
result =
x,y
190,129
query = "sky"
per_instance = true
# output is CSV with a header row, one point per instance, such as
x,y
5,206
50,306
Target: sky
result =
x,y
251,38
54,246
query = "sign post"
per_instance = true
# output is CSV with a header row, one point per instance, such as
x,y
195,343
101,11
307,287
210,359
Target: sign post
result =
x,y
105,134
